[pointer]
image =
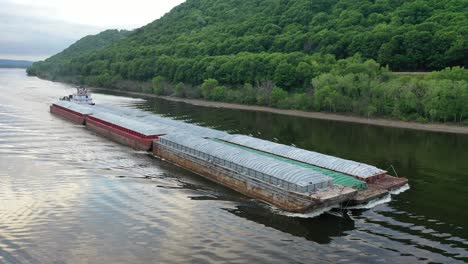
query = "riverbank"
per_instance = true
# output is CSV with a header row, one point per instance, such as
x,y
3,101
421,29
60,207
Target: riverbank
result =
x,y
435,127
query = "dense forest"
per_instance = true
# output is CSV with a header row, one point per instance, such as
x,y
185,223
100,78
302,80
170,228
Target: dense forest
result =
x,y
323,55
82,47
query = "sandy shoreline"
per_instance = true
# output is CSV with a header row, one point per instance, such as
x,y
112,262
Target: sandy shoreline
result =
x,y
316,115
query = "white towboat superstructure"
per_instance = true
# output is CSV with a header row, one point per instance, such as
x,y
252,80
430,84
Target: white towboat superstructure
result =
x,y
82,96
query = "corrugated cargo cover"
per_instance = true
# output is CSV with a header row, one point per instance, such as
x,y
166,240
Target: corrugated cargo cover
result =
x,y
338,177
82,109
143,117
321,160
134,125
151,118
186,127
278,169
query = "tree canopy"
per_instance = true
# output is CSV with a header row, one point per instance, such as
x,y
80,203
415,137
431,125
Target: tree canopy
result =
x,y
331,51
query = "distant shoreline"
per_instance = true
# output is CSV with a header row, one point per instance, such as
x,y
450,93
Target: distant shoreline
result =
x,y
14,64
434,127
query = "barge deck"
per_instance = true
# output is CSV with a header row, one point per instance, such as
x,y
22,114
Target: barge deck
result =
x,y
290,188
364,193
374,177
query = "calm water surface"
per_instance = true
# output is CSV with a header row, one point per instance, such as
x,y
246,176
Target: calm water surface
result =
x,y
70,196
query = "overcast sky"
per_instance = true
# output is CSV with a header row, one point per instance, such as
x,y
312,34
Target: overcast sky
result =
x,y
37,29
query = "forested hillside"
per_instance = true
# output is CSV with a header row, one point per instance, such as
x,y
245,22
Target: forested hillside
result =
x,y
50,68
315,55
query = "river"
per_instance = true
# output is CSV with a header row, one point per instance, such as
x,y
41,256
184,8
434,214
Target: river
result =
x,y
70,196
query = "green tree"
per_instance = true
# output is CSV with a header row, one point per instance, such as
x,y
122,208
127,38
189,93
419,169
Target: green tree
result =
x,y
159,84
284,74
277,95
180,90
207,87
218,93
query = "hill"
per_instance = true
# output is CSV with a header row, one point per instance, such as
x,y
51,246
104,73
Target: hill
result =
x,y
323,55
15,63
51,66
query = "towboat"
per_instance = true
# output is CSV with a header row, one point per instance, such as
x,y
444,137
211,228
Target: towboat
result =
x,y
82,96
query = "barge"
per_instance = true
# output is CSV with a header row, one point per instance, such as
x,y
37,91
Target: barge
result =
x,y
377,180
292,179
284,185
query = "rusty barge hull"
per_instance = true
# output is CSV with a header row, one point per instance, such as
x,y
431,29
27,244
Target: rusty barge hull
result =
x,y
378,189
118,134
388,183
285,200
68,114
367,195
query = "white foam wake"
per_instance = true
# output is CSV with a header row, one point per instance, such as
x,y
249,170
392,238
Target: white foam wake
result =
x,y
402,189
387,198
382,200
371,204
312,214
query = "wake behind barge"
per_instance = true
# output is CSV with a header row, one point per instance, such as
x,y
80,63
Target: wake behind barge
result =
x,y
292,179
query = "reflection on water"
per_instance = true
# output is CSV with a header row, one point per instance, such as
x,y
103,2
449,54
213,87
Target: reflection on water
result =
x,y
67,195
321,229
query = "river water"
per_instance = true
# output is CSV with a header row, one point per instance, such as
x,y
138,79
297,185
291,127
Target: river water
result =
x,y
70,196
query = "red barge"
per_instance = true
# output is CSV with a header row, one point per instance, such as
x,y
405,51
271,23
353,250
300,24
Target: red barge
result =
x,y
79,108
73,113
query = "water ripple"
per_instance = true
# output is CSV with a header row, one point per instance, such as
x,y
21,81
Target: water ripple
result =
x,y
70,196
